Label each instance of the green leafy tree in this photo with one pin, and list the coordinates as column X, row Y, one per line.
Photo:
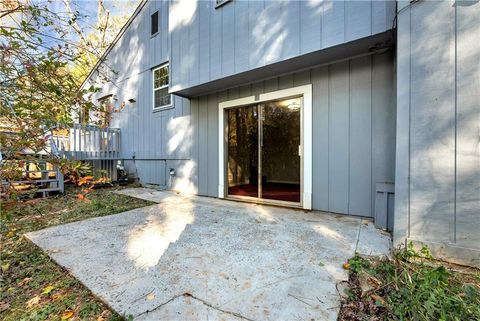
column 44, row 58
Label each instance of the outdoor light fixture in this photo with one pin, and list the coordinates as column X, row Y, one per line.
column 132, row 100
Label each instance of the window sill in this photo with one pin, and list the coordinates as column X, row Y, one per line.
column 154, row 35
column 159, row 109
column 218, row 5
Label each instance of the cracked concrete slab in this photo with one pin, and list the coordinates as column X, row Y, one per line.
column 198, row 258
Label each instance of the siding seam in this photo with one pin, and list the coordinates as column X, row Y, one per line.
column 199, row 22
column 409, row 117
column 345, row 33
column 208, row 146
column 372, row 145
column 456, row 133
column 328, row 134
column 299, row 52
column 371, row 18
column 209, row 46
column 321, row 26
column 221, row 43
column 329, row 120
column 248, row 40
column 349, row 131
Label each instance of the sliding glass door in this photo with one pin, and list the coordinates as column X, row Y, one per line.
column 243, row 151
column 263, row 152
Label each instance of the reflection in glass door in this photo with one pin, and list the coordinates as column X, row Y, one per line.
column 263, row 150
column 280, row 145
column 243, row 151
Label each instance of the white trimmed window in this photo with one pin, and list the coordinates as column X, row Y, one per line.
column 161, row 97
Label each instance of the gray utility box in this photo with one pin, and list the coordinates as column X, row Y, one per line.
column 384, row 205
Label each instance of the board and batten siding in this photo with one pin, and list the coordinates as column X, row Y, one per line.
column 210, row 43
column 353, row 131
column 437, row 199
column 204, row 43
column 151, row 142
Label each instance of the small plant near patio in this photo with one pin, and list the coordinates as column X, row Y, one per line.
column 32, row 286
column 412, row 286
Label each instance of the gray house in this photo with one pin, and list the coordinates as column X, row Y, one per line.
column 367, row 108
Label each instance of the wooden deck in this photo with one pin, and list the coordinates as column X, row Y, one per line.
column 39, row 176
column 87, row 142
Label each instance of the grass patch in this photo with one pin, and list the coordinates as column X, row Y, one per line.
column 32, row 286
column 412, row 286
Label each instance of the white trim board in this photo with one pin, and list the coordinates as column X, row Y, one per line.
column 306, row 124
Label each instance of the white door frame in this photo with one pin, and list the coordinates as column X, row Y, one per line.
column 306, row 124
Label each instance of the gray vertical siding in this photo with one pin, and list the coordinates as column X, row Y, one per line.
column 438, row 157
column 158, row 140
column 209, row 43
column 467, row 191
column 354, row 110
column 353, row 131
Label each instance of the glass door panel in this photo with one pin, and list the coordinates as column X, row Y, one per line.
column 242, row 151
column 280, row 144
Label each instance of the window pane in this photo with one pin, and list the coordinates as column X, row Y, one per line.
column 161, row 77
column 154, row 22
column 166, row 99
column 157, row 79
column 104, row 111
column 162, row 97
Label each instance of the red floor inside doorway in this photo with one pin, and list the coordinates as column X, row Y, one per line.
column 272, row 191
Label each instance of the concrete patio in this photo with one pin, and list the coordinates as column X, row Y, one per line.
column 198, row 258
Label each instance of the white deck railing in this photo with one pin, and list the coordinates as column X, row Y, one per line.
column 37, row 175
column 87, row 142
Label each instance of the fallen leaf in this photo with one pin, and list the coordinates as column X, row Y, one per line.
column 4, row 306
column 10, row 234
column 80, row 196
column 104, row 315
column 33, row 301
column 48, row 289
column 5, row 267
column 346, row 266
column 32, row 201
column 56, row 297
column 150, row 296
column 321, row 264
column 378, row 300
column 67, row 314
column 24, row 281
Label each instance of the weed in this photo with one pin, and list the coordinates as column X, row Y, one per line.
column 356, row 264
column 411, row 286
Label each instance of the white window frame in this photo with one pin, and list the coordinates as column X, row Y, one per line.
column 304, row 91
column 157, row 108
column 103, row 113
